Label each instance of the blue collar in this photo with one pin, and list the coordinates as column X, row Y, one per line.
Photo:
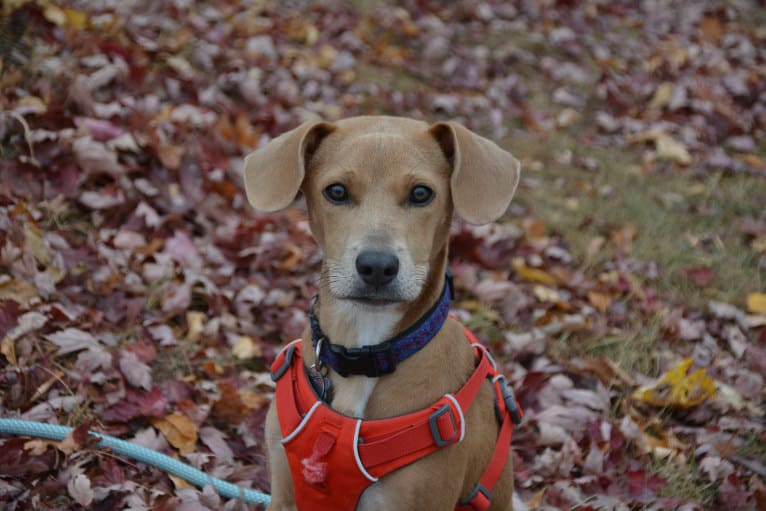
column 381, row 359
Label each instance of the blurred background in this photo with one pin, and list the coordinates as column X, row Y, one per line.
column 624, row 291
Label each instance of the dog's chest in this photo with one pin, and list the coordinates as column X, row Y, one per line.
column 352, row 393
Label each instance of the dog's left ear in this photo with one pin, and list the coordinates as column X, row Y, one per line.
column 484, row 176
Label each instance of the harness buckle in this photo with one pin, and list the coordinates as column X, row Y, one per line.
column 479, row 499
column 510, row 400
column 286, row 361
column 434, row 425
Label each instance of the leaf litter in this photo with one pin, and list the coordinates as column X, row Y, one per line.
column 140, row 296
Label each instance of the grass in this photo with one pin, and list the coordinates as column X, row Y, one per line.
column 679, row 222
column 684, row 480
column 633, row 351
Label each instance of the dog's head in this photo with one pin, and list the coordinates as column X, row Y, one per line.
column 381, row 193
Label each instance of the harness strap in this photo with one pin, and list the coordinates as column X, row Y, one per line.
column 396, row 449
column 287, row 394
column 480, row 498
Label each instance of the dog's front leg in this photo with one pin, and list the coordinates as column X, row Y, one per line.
column 282, row 498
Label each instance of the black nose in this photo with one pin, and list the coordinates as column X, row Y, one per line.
column 377, row 268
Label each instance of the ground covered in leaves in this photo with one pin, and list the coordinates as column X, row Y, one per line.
column 624, row 291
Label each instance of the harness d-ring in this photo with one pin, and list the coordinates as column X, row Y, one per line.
column 318, row 364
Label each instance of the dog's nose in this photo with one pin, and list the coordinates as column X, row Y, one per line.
column 377, row 268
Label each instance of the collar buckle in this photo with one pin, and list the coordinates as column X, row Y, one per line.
column 373, row 361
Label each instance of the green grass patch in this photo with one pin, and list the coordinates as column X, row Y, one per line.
column 684, row 481
column 679, row 222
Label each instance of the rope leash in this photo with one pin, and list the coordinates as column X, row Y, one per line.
column 134, row 451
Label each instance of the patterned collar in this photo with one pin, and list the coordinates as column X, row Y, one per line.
column 381, row 359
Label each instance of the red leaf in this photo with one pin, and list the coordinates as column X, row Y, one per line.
column 639, row 482
column 81, row 434
column 702, row 276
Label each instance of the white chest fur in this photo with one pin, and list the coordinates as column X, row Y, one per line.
column 367, row 327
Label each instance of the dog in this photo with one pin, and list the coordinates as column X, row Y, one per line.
column 381, row 193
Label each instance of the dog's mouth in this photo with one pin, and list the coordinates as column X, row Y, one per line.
column 374, row 301
column 374, row 297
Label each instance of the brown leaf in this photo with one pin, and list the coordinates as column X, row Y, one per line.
column 711, row 29
column 230, row 407
column 170, row 155
column 179, row 431
column 533, row 228
column 600, row 300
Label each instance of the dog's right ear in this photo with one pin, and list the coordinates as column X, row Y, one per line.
column 274, row 172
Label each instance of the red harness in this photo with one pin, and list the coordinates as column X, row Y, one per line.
column 333, row 458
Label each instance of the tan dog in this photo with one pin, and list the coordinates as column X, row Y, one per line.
column 388, row 186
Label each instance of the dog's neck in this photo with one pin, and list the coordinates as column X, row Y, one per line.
column 354, row 325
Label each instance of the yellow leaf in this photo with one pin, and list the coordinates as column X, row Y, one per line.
column 546, row 294
column 62, row 17
column 35, row 244
column 677, row 389
column 532, row 274
column 469, row 305
column 756, row 302
column 245, row 348
column 31, row 104
column 18, row 290
column 662, row 96
column 179, row 430
column 253, row 400
column 179, row 483
column 55, row 15
column 75, row 18
column 195, row 321
column 8, row 349
column 671, row 149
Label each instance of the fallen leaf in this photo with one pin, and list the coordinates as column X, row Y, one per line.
column 600, row 300
column 253, row 399
column 711, row 29
column 179, row 431
column 702, row 276
column 70, row 340
column 19, row 290
column 246, row 348
column 230, row 406
column 96, row 157
column 677, row 389
column 662, row 95
column 623, row 238
column 8, row 349
column 80, row 490
column 756, row 302
column 532, row 274
column 671, row 149
column 195, row 321
column 136, row 372
column 215, row 440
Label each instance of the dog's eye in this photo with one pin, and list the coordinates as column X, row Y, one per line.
column 336, row 193
column 420, row 195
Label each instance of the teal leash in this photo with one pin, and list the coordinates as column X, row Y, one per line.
column 139, row 453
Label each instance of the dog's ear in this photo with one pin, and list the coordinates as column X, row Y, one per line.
column 274, row 172
column 484, row 176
